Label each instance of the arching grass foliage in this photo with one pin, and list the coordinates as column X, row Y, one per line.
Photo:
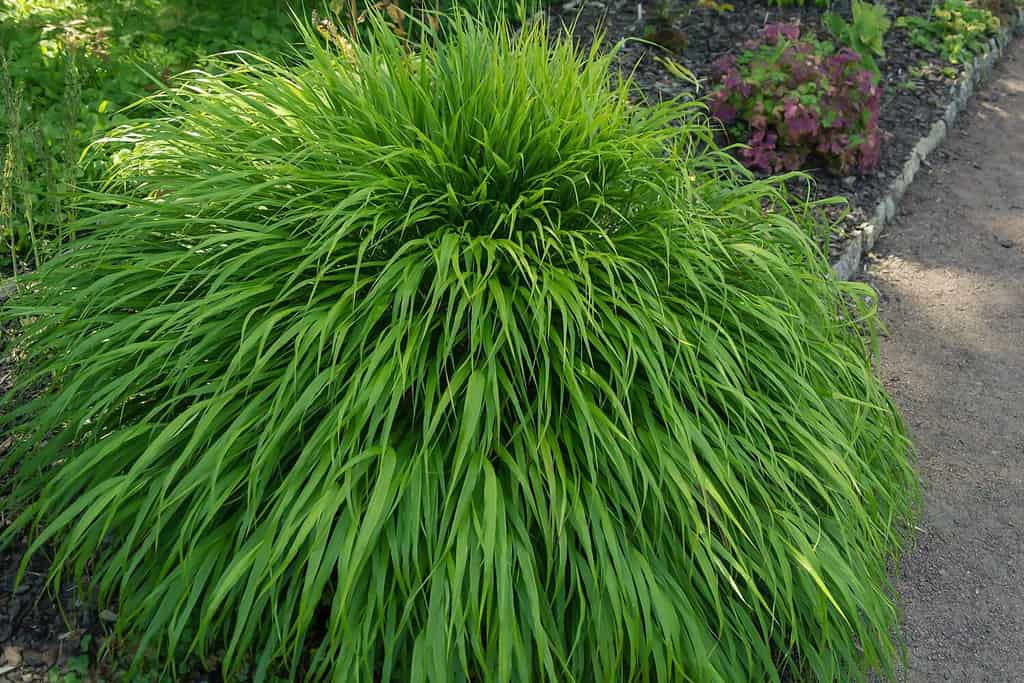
column 457, row 366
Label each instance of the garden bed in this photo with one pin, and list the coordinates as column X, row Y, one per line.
column 917, row 86
column 910, row 108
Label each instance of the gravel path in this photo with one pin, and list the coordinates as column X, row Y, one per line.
column 951, row 276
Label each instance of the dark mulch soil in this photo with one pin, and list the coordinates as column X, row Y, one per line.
column 696, row 36
column 40, row 627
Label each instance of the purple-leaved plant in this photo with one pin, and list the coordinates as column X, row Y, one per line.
column 791, row 97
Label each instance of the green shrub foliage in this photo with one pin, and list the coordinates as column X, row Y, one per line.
column 457, row 366
column 955, row 29
column 865, row 34
column 69, row 69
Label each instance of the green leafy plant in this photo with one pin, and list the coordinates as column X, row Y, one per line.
column 925, row 71
column 791, row 98
column 954, row 29
column 27, row 184
column 81, row 63
column 456, row 365
column 76, row 65
column 865, row 34
column 716, row 6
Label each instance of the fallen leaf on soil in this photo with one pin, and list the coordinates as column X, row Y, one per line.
column 12, row 655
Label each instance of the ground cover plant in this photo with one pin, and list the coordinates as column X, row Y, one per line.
column 454, row 364
column 68, row 69
column 789, row 97
column 955, row 29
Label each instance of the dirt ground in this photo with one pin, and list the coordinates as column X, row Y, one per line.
column 951, row 276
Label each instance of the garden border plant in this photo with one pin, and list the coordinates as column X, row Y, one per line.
column 789, row 97
column 847, row 264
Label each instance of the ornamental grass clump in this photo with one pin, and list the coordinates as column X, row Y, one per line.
column 456, row 365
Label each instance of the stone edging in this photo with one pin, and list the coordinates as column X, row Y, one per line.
column 847, row 264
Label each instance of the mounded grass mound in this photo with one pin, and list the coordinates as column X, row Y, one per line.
column 457, row 366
